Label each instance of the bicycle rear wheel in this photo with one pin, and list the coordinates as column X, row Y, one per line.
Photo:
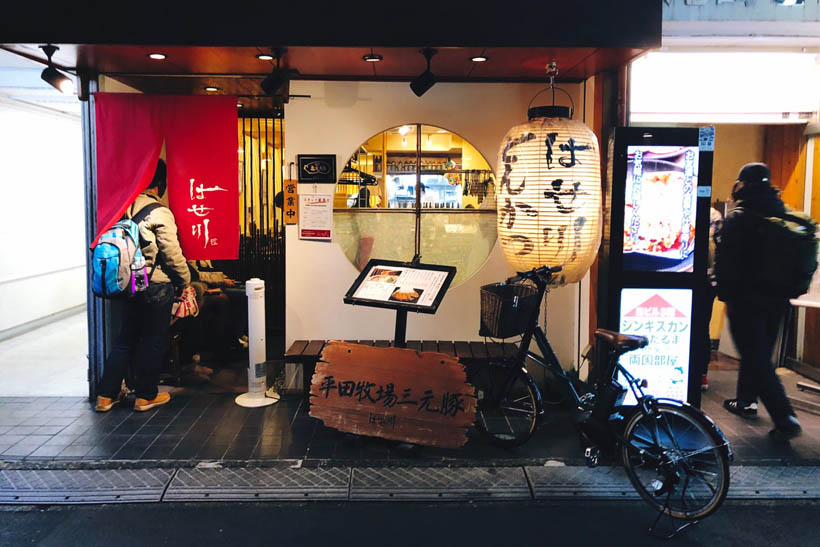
column 676, row 462
column 507, row 404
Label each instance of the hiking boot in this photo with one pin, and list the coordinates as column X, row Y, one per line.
column 744, row 410
column 786, row 431
column 104, row 404
column 704, row 383
column 142, row 405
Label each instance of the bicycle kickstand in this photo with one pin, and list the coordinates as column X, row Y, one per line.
column 653, row 531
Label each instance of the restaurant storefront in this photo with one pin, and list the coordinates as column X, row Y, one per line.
column 473, row 102
column 416, row 176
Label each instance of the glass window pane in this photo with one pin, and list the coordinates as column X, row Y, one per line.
column 374, row 234
column 452, row 176
column 461, row 239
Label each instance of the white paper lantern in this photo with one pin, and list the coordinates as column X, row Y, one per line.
column 549, row 196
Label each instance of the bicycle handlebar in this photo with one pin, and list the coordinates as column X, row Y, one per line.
column 544, row 274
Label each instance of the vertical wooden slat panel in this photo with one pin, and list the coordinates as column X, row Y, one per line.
column 811, row 347
column 463, row 350
column 793, row 166
column 446, row 347
column 479, row 350
column 773, row 153
column 815, row 190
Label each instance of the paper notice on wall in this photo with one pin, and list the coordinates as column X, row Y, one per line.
column 315, row 216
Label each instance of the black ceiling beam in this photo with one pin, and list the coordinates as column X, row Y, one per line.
column 511, row 23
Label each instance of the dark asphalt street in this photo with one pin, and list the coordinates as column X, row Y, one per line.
column 398, row 524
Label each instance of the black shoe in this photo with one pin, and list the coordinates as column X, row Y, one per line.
column 785, row 432
column 744, row 410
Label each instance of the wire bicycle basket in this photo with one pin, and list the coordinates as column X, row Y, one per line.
column 506, row 308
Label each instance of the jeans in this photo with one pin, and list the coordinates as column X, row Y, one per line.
column 754, row 328
column 143, row 339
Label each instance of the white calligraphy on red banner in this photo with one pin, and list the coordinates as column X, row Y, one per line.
column 200, row 210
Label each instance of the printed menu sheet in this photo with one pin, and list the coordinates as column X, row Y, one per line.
column 401, row 284
column 315, row 216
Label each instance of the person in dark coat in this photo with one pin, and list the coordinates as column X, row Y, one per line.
column 754, row 313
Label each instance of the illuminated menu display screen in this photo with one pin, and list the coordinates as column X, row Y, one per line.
column 664, row 316
column 660, row 203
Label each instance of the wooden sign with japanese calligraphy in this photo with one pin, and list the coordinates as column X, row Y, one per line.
column 291, row 202
column 394, row 393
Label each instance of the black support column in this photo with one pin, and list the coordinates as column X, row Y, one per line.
column 95, row 306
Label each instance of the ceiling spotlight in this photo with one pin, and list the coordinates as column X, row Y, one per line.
column 211, row 88
column 265, row 57
column 54, row 77
column 479, row 58
column 238, row 105
column 157, row 56
column 372, row 57
column 277, row 83
column 424, row 81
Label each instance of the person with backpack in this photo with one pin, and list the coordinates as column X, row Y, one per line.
column 145, row 315
column 759, row 265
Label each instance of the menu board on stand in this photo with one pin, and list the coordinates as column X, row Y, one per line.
column 401, row 286
column 657, row 252
column 419, row 397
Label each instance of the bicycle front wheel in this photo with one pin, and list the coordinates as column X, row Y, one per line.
column 676, row 462
column 507, row 404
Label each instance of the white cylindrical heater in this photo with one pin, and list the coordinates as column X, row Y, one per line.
column 255, row 397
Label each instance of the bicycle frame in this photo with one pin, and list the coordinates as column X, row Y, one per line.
column 549, row 360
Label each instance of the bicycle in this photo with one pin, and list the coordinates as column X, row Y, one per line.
column 674, row 455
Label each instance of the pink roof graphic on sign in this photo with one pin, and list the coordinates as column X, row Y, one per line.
column 655, row 308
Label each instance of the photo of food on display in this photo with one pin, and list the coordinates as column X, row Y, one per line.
column 381, row 275
column 405, row 294
column 660, row 208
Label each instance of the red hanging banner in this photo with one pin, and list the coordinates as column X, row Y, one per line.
column 200, row 137
column 203, row 175
column 129, row 140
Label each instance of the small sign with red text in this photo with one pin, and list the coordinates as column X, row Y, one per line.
column 315, row 216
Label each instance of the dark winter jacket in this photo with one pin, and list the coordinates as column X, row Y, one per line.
column 738, row 253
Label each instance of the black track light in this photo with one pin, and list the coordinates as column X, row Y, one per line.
column 277, row 83
column 54, row 77
column 423, row 82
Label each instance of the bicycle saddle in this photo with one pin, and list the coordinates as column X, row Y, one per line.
column 621, row 342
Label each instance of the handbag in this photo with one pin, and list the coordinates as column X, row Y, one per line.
column 185, row 304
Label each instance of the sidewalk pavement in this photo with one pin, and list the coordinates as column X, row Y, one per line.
column 203, row 447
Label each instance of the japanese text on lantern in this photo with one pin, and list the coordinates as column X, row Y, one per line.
column 564, row 194
column 199, row 194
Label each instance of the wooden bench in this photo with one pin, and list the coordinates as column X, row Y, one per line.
column 307, row 352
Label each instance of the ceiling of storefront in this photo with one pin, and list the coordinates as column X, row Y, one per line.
column 237, row 71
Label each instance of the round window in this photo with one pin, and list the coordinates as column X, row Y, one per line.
column 413, row 176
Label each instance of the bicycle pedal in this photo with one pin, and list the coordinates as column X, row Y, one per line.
column 592, row 455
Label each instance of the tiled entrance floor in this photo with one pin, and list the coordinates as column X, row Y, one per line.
column 202, row 426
